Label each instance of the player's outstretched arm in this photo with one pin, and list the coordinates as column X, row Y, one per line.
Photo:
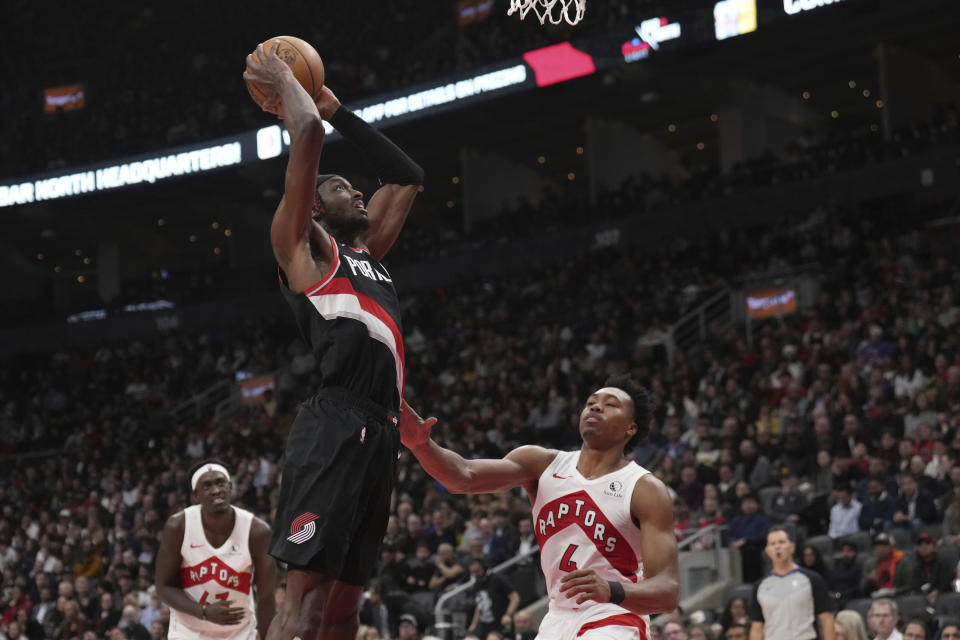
column 264, row 574
column 520, row 467
column 399, row 175
column 292, row 222
column 659, row 591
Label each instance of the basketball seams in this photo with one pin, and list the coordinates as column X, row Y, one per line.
column 296, row 61
column 306, row 63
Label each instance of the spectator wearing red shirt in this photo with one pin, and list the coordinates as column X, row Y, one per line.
column 880, row 571
column 18, row 601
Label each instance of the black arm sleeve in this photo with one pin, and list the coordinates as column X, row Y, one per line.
column 821, row 596
column 393, row 166
column 755, row 610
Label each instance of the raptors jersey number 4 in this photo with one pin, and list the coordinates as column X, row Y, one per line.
column 586, row 524
column 210, row 574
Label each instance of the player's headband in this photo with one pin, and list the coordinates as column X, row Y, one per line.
column 213, row 466
column 323, row 177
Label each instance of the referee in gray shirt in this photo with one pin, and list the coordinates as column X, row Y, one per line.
column 791, row 602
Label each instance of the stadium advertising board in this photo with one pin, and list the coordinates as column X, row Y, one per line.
column 793, row 7
column 771, row 301
column 650, row 33
column 69, row 97
column 734, row 18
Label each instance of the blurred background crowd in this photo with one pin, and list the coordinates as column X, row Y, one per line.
column 840, row 420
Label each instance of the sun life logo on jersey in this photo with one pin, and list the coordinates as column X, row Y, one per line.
column 303, row 528
column 614, row 489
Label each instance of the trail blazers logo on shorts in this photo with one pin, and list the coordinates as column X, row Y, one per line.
column 303, row 528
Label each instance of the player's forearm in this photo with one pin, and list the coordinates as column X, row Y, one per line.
column 659, row 594
column 446, row 467
column 299, row 111
column 176, row 598
column 266, row 609
column 393, row 166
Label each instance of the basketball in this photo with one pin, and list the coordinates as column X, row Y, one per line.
column 301, row 57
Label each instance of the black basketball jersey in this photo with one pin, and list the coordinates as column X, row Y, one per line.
column 351, row 320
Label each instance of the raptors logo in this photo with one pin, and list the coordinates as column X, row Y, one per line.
column 302, row 528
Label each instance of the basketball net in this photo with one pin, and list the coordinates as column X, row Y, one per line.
column 554, row 11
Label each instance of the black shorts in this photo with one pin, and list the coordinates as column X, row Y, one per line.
column 338, row 475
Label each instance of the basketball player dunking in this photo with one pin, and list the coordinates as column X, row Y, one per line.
column 604, row 524
column 211, row 555
column 341, row 454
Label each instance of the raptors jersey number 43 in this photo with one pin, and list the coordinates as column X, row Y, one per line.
column 586, row 524
column 209, row 574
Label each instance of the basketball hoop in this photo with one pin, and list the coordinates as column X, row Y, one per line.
column 554, row 11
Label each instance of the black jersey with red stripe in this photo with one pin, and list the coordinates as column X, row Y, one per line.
column 351, row 320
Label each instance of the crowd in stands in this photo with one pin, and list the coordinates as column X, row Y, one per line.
column 840, row 420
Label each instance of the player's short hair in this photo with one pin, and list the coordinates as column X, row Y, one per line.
column 323, row 177
column 642, row 405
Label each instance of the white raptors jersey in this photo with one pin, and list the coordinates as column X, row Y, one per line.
column 586, row 524
column 209, row 574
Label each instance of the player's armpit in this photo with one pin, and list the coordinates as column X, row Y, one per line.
column 387, row 211
column 312, row 262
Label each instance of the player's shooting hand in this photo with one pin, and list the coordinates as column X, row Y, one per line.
column 414, row 430
column 224, row 613
column 267, row 70
column 327, row 103
column 585, row 584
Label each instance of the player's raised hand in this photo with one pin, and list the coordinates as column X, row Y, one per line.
column 327, row 103
column 585, row 584
column 267, row 70
column 224, row 613
column 414, row 430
